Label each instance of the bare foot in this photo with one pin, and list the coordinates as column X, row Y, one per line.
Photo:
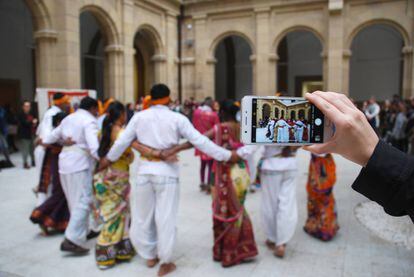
column 153, row 262
column 166, row 269
column 271, row 245
column 280, row 251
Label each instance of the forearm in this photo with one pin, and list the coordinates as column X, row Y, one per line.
column 388, row 179
column 145, row 151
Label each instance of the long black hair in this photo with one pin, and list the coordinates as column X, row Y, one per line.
column 115, row 111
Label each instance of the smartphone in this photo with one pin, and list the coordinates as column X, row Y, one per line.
column 289, row 121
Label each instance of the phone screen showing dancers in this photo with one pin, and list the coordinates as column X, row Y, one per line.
column 286, row 120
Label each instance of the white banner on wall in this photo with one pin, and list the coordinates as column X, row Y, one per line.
column 44, row 97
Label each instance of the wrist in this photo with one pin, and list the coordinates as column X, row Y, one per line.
column 368, row 152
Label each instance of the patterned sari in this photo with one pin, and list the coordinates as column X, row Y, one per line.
column 233, row 230
column 111, row 188
column 322, row 216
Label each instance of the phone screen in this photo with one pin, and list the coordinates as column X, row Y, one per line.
column 286, row 120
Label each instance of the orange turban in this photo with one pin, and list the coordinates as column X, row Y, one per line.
column 103, row 107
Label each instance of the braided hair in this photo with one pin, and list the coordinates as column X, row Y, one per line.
column 115, row 111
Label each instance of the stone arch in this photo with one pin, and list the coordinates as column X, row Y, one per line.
column 224, row 35
column 106, row 22
column 233, row 67
column 281, row 35
column 298, row 67
column 155, row 36
column 392, row 23
column 149, row 58
column 376, row 67
column 40, row 15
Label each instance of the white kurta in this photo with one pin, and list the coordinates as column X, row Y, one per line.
column 43, row 130
column 299, row 131
column 282, row 131
column 75, row 168
column 156, row 194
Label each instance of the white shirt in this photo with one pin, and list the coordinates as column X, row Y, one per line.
column 81, row 127
column 46, row 125
column 160, row 128
column 270, row 162
column 373, row 111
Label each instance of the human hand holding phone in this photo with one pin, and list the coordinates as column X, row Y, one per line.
column 354, row 138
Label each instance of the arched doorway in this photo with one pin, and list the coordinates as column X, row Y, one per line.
column 300, row 65
column 17, row 54
column 376, row 65
column 144, row 69
column 266, row 112
column 233, row 70
column 92, row 43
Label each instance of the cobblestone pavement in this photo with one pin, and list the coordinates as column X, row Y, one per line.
column 354, row 252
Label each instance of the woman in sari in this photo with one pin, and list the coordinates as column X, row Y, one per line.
column 53, row 214
column 111, row 187
column 322, row 217
column 233, row 231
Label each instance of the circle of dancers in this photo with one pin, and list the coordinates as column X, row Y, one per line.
column 84, row 188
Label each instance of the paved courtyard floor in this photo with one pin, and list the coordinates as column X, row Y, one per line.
column 354, row 252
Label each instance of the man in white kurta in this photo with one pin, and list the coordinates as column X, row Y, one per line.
column 281, row 128
column 60, row 103
column 299, row 126
column 75, row 169
column 279, row 209
column 156, row 193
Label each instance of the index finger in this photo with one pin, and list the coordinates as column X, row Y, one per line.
column 326, row 108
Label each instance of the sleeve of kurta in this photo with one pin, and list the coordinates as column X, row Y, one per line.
column 247, row 150
column 201, row 142
column 54, row 136
column 91, row 136
column 388, row 179
column 123, row 141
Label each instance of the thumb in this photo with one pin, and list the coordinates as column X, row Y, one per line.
column 319, row 148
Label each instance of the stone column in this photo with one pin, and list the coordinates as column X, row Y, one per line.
column 334, row 48
column 204, row 70
column 407, row 83
column 127, row 38
column 45, row 63
column 346, row 54
column 67, row 62
column 262, row 80
column 273, row 60
column 171, row 53
column 114, row 83
column 159, row 61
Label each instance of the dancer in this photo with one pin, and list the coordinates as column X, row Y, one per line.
column 112, row 194
column 153, row 226
column 61, row 103
column 299, row 126
column 76, row 164
column 233, row 231
column 53, row 214
column 322, row 217
column 204, row 118
column 279, row 209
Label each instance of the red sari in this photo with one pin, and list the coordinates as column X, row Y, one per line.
column 322, row 217
column 233, row 230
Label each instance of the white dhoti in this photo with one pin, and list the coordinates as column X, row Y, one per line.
column 299, row 134
column 78, row 191
column 154, row 208
column 279, row 208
